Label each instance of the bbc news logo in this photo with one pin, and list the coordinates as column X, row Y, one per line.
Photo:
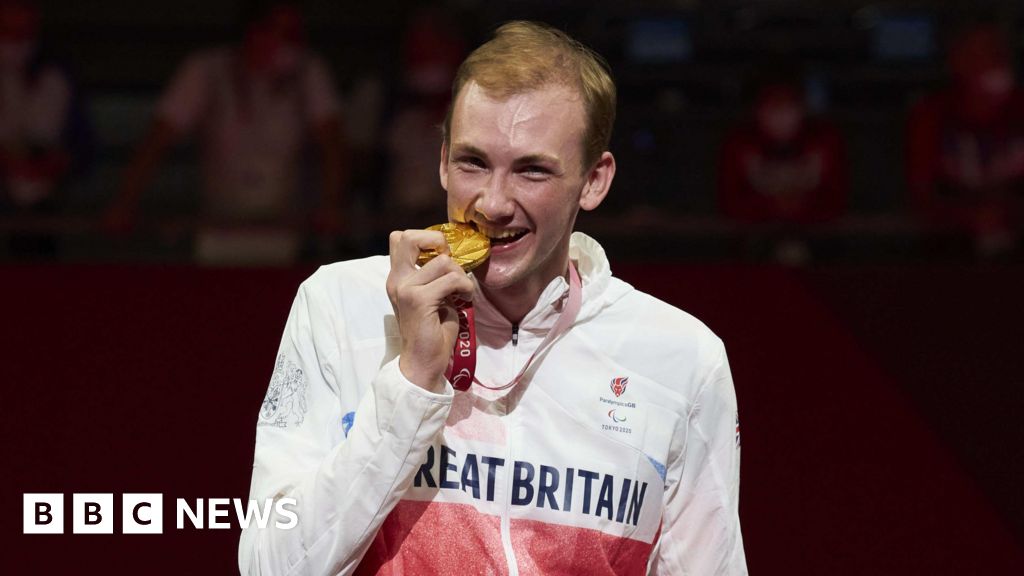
column 143, row 513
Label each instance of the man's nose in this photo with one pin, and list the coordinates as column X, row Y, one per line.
column 495, row 201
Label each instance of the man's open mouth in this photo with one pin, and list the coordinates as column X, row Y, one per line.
column 501, row 237
column 508, row 239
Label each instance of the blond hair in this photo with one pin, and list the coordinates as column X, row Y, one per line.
column 525, row 56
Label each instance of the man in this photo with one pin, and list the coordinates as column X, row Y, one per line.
column 965, row 146
column 45, row 136
column 612, row 450
column 782, row 166
column 432, row 49
column 255, row 108
column 782, row 172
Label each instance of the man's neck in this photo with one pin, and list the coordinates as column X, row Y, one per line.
column 515, row 302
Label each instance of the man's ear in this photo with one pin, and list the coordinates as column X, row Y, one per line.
column 443, row 169
column 599, row 181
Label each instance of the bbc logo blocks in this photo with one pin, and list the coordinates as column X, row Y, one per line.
column 142, row 514
column 43, row 514
column 93, row 514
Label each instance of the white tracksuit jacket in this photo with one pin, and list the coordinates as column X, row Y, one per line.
column 618, row 453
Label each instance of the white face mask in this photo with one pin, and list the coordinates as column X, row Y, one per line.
column 14, row 55
column 996, row 82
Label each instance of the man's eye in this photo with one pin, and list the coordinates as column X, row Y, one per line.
column 471, row 162
column 534, row 171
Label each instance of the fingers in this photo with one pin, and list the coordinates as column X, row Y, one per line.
column 453, row 282
column 421, row 300
column 431, row 285
column 432, row 270
column 405, row 247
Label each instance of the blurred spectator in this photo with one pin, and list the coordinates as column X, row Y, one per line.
column 255, row 107
column 783, row 170
column 44, row 132
column 432, row 50
column 966, row 145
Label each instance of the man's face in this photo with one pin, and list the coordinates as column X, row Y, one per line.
column 274, row 44
column 780, row 113
column 514, row 168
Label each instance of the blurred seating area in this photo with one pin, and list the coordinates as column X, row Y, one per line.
column 692, row 77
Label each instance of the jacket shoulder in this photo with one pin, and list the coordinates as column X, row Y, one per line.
column 661, row 341
column 363, row 274
column 351, row 295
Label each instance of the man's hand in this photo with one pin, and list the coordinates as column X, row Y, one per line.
column 429, row 324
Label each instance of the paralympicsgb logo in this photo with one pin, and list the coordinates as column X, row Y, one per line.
column 618, row 385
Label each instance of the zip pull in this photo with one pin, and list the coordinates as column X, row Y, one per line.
column 515, row 334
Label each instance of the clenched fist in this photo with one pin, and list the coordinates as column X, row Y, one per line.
column 421, row 298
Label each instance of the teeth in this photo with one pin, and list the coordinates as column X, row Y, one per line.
column 502, row 234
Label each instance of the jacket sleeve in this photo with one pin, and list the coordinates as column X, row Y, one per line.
column 700, row 532
column 344, row 481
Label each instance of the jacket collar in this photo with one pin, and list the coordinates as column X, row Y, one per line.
column 595, row 274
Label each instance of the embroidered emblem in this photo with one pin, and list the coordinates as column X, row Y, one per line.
column 618, row 385
column 285, row 403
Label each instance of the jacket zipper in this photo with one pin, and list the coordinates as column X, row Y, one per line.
column 506, row 521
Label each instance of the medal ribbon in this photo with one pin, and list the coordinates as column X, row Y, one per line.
column 462, row 366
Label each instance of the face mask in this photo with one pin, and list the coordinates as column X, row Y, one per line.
column 995, row 83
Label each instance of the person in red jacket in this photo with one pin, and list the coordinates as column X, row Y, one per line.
column 255, row 109
column 782, row 166
column 782, row 170
column 965, row 157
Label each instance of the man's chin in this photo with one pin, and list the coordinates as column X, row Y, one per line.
column 491, row 277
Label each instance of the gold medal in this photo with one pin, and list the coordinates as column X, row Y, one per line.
column 468, row 247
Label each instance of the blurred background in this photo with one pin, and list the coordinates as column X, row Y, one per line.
column 836, row 188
